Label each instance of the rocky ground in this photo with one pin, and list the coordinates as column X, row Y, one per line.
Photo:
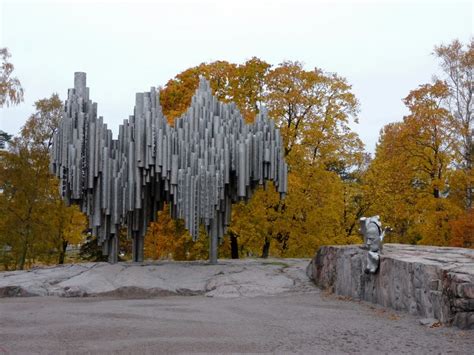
column 230, row 278
column 246, row 306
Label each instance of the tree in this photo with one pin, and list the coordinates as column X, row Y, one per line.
column 457, row 63
column 248, row 86
column 11, row 92
column 39, row 129
column 313, row 110
column 421, row 177
column 34, row 221
column 70, row 224
column 463, row 230
column 168, row 239
column 4, row 138
column 26, row 191
column 428, row 136
column 389, row 187
column 175, row 97
column 408, row 182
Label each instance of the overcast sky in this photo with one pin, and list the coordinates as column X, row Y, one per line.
column 383, row 48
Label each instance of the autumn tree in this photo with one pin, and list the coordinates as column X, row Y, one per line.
column 409, row 180
column 457, row 63
column 168, row 239
column 312, row 110
column 27, row 192
column 40, row 128
column 249, row 85
column 463, row 230
column 70, row 224
column 34, row 221
column 420, row 179
column 388, row 185
column 243, row 84
column 11, row 92
column 429, row 138
column 176, row 96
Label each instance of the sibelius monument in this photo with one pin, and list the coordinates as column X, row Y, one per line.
column 203, row 164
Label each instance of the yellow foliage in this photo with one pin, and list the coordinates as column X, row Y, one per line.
column 413, row 182
column 313, row 110
column 417, row 182
column 34, row 221
column 168, row 239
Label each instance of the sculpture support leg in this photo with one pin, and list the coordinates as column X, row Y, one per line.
column 137, row 247
column 213, row 243
column 213, row 249
column 113, row 249
column 134, row 248
column 141, row 245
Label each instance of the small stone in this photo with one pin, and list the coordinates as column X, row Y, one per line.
column 429, row 322
column 74, row 292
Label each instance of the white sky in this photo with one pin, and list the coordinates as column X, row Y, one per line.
column 383, row 48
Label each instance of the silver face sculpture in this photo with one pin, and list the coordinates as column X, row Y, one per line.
column 208, row 160
column 371, row 228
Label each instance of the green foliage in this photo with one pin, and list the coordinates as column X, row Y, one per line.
column 4, row 138
column 91, row 250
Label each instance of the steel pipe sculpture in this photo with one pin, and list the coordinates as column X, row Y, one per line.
column 208, row 160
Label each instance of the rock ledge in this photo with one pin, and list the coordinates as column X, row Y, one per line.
column 229, row 278
column 432, row 282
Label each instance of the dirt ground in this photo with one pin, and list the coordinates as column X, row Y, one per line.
column 310, row 322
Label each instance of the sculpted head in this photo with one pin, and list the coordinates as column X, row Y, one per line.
column 371, row 228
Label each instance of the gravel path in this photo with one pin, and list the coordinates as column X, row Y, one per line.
column 304, row 322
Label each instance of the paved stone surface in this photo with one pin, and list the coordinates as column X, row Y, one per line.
column 301, row 322
column 230, row 278
column 431, row 282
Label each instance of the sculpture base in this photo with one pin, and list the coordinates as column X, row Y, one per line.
column 432, row 282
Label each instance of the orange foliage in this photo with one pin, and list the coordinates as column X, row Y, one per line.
column 168, row 239
column 463, row 230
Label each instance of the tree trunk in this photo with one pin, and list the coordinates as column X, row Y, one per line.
column 266, row 248
column 62, row 252
column 234, row 246
column 21, row 266
column 26, row 235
